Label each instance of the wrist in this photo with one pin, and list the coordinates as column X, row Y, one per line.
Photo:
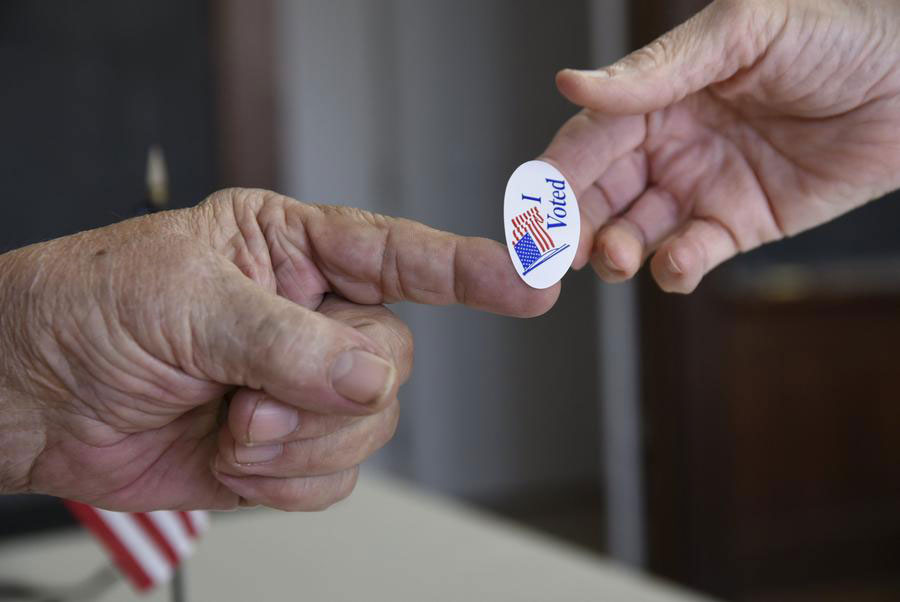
column 22, row 424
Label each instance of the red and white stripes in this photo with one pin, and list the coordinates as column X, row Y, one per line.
column 146, row 546
column 532, row 222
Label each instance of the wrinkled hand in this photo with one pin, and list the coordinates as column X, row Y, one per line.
column 755, row 120
column 120, row 344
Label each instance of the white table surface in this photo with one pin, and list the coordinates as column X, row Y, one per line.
column 388, row 542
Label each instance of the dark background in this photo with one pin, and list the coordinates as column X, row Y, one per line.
column 87, row 88
column 772, row 410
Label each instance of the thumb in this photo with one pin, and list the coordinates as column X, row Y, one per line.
column 253, row 338
column 724, row 38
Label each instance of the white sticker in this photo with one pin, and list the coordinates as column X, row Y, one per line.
column 542, row 223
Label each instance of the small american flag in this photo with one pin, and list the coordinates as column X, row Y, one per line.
column 531, row 240
column 532, row 222
column 146, row 546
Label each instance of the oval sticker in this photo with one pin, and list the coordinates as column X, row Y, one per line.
column 542, row 223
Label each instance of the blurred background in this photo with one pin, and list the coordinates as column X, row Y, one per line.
column 742, row 441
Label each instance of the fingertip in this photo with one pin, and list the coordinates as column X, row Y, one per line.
column 564, row 79
column 603, row 271
column 676, row 269
column 540, row 301
column 528, row 302
column 487, row 280
column 618, row 255
column 575, row 85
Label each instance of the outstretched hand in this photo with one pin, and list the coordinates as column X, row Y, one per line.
column 755, row 120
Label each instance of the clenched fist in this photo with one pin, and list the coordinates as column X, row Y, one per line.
column 233, row 353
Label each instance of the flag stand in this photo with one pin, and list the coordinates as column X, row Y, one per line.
column 177, row 586
column 94, row 587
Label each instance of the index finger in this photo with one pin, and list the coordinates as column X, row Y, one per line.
column 593, row 151
column 588, row 144
column 373, row 259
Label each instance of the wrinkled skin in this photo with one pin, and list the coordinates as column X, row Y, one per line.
column 755, row 120
column 119, row 345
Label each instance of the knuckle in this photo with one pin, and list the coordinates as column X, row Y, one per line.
column 229, row 199
column 218, row 208
column 653, row 55
column 355, row 214
column 739, row 10
column 660, row 50
column 751, row 23
column 728, row 6
column 222, row 211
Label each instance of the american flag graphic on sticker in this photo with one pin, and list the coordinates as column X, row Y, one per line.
column 542, row 223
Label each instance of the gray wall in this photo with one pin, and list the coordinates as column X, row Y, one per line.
column 423, row 109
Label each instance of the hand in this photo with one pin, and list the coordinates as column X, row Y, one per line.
column 755, row 120
column 118, row 346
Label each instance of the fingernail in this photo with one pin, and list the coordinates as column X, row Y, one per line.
column 672, row 265
column 257, row 453
column 271, row 420
column 361, row 376
column 612, row 265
